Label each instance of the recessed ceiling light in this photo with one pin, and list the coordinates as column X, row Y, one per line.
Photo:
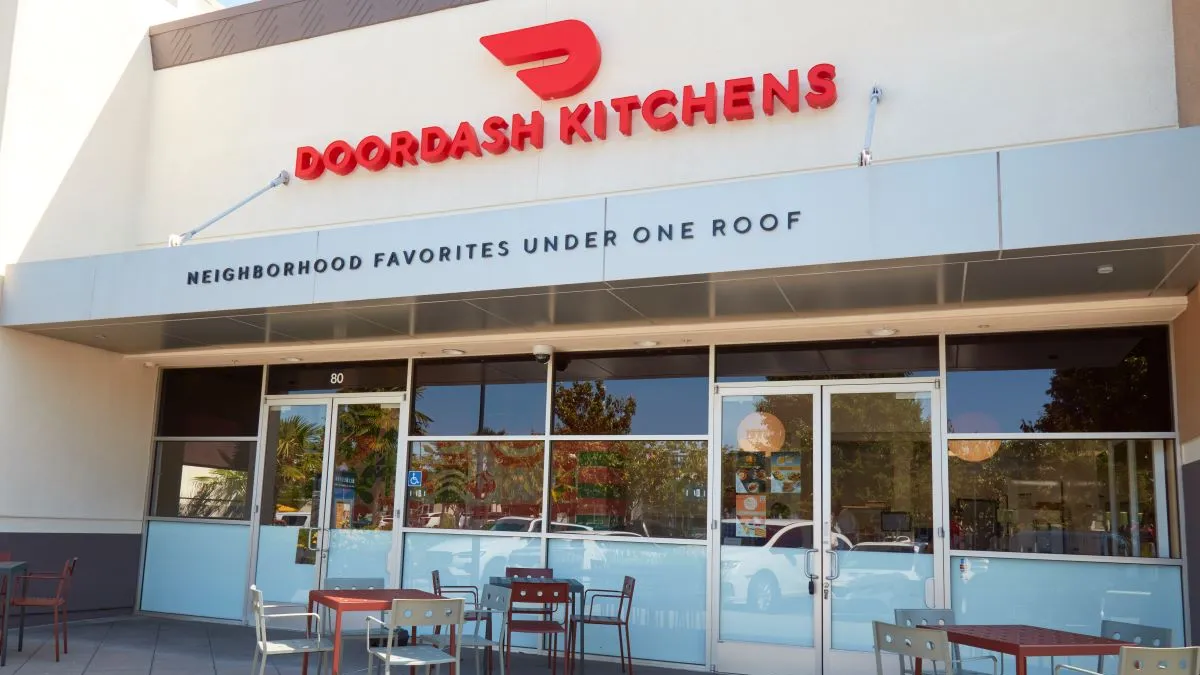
column 292, row 359
column 101, row 336
column 985, row 325
column 884, row 332
column 1104, row 269
column 646, row 343
column 453, row 352
column 148, row 364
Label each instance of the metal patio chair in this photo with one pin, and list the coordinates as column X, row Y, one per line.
column 57, row 602
column 913, row 618
column 547, row 594
column 618, row 619
column 927, row 644
column 264, row 647
column 416, row 614
column 352, row 584
column 1139, row 660
column 495, row 600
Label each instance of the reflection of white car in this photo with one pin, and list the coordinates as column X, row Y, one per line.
column 523, row 524
column 762, row 575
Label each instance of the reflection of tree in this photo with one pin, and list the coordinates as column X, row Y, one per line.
column 367, row 451
column 586, row 407
column 299, row 449
column 474, row 478
column 221, row 494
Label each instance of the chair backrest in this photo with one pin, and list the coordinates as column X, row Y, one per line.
column 541, row 593
column 1175, row 661
column 354, row 583
column 260, row 618
column 529, row 572
column 1142, row 636
column 417, row 613
column 919, row 643
column 64, row 581
column 913, row 618
column 497, row 599
column 5, row 556
column 437, row 582
column 626, row 598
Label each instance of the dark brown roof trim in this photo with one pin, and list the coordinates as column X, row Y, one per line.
column 273, row 22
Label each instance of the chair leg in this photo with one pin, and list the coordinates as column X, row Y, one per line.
column 628, row 648
column 254, row 662
column 21, row 631
column 321, row 663
column 582, row 644
column 262, row 665
column 54, row 618
column 64, row 628
column 553, row 652
column 621, row 647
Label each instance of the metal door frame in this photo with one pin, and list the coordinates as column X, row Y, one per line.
column 331, row 403
column 822, row 391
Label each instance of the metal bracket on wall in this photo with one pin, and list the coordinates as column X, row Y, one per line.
column 180, row 239
column 864, row 157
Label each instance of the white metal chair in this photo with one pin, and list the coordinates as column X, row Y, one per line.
column 415, row 614
column 927, row 644
column 914, row 618
column 1142, row 636
column 1137, row 660
column 495, row 601
column 264, row 647
column 353, row 584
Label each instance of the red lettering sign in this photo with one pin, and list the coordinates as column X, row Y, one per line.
column 662, row 110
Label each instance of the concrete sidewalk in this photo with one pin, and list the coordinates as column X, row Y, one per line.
column 145, row 646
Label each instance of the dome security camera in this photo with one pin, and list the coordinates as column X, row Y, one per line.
column 543, row 353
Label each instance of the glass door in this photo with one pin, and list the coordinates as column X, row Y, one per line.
column 360, row 519
column 327, row 492
column 883, row 526
column 829, row 521
column 292, row 498
column 767, row 571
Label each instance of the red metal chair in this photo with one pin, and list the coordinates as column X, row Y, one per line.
column 5, row 556
column 56, row 602
column 530, row 573
column 619, row 619
column 551, row 596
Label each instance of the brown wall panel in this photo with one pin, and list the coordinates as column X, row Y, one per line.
column 273, row 22
column 1187, row 60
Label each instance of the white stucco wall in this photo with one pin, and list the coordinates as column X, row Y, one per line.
column 75, row 448
column 957, row 78
column 73, row 123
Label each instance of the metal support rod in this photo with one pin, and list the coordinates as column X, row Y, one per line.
column 864, row 157
column 180, row 239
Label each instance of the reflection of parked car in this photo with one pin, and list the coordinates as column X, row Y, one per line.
column 1070, row 543
column 523, row 524
column 762, row 571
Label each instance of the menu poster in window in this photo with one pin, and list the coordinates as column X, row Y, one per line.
column 751, row 516
column 750, row 474
column 785, row 473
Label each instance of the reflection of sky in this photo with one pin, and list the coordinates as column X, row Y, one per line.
column 996, row 400
column 666, row 405
column 313, row 414
column 512, row 409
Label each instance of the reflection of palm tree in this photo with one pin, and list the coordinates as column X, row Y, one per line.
column 298, row 452
column 221, row 494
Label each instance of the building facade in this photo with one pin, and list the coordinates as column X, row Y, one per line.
column 798, row 314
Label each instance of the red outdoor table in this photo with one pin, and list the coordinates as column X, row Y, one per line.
column 377, row 600
column 1023, row 642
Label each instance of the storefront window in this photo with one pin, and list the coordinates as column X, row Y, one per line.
column 1059, row 496
column 490, row 397
column 476, row 485
column 846, row 359
column 210, row 402
column 204, row 479
column 1115, row 380
column 630, row 488
column 664, row 392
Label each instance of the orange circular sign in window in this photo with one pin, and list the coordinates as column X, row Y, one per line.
column 761, row 433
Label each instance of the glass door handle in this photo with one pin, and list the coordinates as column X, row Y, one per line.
column 808, row 557
column 835, row 567
column 930, row 601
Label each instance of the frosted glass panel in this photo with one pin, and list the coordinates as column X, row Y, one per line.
column 871, row 586
column 360, row 554
column 668, row 618
column 198, row 569
column 1067, row 595
column 286, row 568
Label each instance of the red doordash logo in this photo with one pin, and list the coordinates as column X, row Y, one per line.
column 570, row 38
column 733, row 100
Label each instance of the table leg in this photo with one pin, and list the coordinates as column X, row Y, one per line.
column 917, row 666
column 307, row 632
column 1021, row 664
column 337, row 641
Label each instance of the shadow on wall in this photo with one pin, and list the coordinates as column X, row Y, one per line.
column 105, row 581
column 96, row 206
